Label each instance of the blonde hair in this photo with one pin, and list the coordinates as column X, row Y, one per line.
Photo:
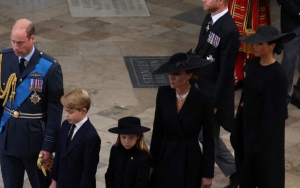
column 140, row 143
column 76, row 99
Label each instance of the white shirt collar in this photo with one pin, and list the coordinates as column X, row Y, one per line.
column 80, row 123
column 27, row 58
column 219, row 15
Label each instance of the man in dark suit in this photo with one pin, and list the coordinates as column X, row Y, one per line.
column 219, row 43
column 290, row 22
column 30, row 118
column 77, row 153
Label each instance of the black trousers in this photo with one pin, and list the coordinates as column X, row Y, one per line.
column 13, row 170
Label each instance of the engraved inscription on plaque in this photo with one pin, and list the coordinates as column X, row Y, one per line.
column 140, row 71
column 108, row 8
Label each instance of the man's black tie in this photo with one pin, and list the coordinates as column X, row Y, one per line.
column 209, row 24
column 22, row 65
column 70, row 135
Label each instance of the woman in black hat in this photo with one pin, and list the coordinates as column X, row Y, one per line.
column 129, row 161
column 181, row 111
column 261, row 142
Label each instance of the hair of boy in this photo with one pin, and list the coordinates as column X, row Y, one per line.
column 76, row 99
column 140, row 143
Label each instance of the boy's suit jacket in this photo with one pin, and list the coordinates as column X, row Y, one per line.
column 76, row 166
column 218, row 77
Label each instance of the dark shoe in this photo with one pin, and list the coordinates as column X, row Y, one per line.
column 238, row 84
column 233, row 182
column 295, row 102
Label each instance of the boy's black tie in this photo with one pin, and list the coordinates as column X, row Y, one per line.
column 22, row 65
column 70, row 135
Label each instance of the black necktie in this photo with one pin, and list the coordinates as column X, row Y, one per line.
column 22, row 65
column 70, row 135
column 209, row 24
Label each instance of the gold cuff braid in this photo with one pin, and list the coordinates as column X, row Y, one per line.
column 10, row 88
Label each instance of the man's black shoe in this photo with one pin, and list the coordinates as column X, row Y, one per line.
column 233, row 182
column 295, row 102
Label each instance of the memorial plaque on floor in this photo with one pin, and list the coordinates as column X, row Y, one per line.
column 108, row 8
column 140, row 71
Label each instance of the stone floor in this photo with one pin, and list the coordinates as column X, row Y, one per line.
column 91, row 52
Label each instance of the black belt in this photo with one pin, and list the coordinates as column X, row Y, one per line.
column 18, row 114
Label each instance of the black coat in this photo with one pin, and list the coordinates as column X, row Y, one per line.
column 76, row 166
column 290, row 18
column 218, row 77
column 177, row 157
column 264, row 113
column 127, row 168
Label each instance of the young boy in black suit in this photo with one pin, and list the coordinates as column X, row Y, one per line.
column 77, row 153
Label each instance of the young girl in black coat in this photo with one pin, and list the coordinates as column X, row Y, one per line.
column 129, row 161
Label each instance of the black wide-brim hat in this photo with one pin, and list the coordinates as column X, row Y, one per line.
column 267, row 33
column 129, row 125
column 181, row 61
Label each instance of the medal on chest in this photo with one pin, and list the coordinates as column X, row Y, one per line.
column 36, row 85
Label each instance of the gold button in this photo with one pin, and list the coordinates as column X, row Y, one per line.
column 16, row 114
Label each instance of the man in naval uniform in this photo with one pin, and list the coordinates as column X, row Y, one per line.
column 31, row 88
column 219, row 43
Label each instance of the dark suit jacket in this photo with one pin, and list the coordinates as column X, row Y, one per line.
column 217, row 78
column 177, row 157
column 76, row 166
column 290, row 18
column 127, row 168
column 26, row 137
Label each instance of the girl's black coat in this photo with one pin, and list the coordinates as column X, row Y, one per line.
column 127, row 168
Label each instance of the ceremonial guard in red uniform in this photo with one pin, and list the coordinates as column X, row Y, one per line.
column 248, row 16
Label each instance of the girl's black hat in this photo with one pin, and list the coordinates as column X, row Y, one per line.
column 267, row 33
column 129, row 125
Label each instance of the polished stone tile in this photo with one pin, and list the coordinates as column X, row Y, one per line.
column 96, row 35
column 195, row 16
column 118, row 38
column 152, row 6
column 158, row 39
column 50, row 12
column 174, row 47
column 166, row 12
column 136, row 35
column 100, row 49
column 162, row 2
column 67, row 18
column 190, row 28
column 62, row 6
column 3, row 19
column 183, row 6
column 59, row 48
column 171, row 23
column 40, row 29
column 30, row 5
column 180, row 36
column 92, row 23
column 112, row 29
column 140, row 48
column 56, row 35
column 73, row 29
column 4, row 30
column 108, row 8
column 51, row 24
